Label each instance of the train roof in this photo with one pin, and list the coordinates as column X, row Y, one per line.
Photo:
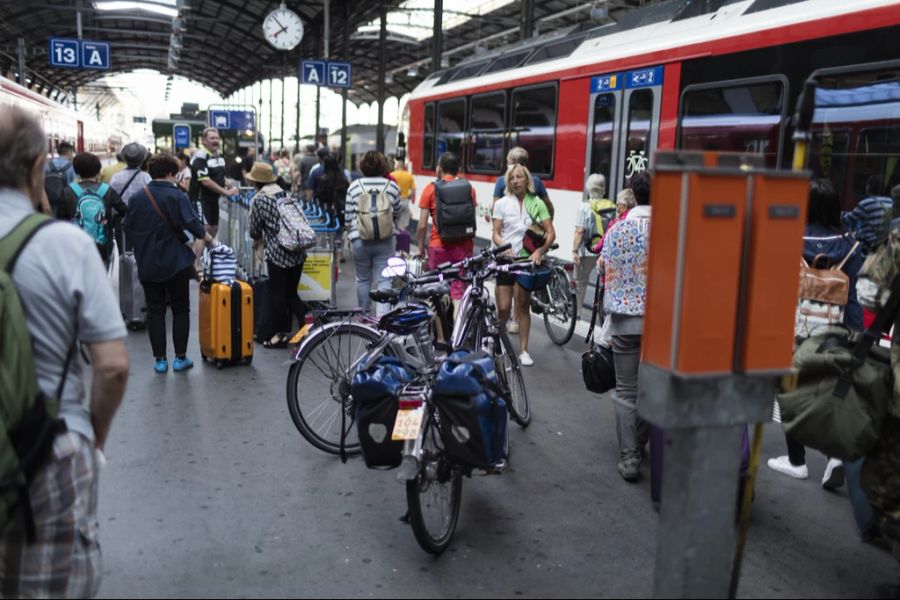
column 650, row 30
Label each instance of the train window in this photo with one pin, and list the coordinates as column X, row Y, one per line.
column 469, row 71
column 637, row 136
column 602, row 136
column 428, row 137
column 736, row 117
column 856, row 133
column 451, row 126
column 533, row 126
column 487, row 121
column 559, row 49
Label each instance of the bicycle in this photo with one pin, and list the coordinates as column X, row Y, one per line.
column 318, row 381
column 557, row 301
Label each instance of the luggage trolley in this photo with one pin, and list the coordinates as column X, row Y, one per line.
column 319, row 278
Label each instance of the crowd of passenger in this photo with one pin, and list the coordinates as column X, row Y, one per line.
column 164, row 208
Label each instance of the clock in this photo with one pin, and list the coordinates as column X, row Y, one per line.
column 283, row 28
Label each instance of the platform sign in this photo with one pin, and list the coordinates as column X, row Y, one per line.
column 605, row 83
column 339, row 74
column 243, row 120
column 181, row 133
column 220, row 119
column 64, row 53
column 95, row 55
column 644, row 78
column 313, row 72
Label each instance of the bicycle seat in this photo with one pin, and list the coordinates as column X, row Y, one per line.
column 390, row 296
column 432, row 290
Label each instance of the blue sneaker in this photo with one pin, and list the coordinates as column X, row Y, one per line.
column 161, row 366
column 182, row 364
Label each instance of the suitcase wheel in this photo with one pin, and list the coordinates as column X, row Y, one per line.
column 247, row 360
column 220, row 364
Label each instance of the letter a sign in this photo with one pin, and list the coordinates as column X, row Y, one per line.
column 312, row 71
column 95, row 55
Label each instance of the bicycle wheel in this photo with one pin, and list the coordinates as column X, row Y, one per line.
column 560, row 313
column 318, row 384
column 433, row 497
column 510, row 373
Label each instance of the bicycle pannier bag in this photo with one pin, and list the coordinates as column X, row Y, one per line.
column 472, row 411
column 454, row 210
column 376, row 394
column 375, row 215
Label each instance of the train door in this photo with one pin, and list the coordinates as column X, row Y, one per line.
column 623, row 124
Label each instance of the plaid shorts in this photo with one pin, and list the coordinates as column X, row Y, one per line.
column 64, row 561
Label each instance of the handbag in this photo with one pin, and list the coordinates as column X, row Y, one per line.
column 823, row 295
column 597, row 366
column 844, row 387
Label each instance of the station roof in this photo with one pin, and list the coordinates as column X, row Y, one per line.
column 219, row 43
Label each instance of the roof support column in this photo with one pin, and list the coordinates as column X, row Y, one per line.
column 345, row 39
column 318, row 137
column 270, row 113
column 20, row 55
column 437, row 36
column 297, row 129
column 283, row 82
column 527, row 24
column 382, row 59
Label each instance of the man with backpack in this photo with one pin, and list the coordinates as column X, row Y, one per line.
column 594, row 216
column 450, row 202
column 94, row 207
column 58, row 174
column 54, row 297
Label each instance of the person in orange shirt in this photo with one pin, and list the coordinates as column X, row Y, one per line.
column 407, row 192
column 453, row 219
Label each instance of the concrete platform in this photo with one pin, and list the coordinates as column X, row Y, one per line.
column 210, row 491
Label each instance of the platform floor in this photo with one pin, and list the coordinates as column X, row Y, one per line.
column 210, row 491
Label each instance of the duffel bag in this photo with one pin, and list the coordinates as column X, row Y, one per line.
column 472, row 411
column 376, row 394
column 840, row 403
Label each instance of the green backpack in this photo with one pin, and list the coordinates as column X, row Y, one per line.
column 29, row 419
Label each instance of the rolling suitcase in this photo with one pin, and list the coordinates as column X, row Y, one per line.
column 226, row 322
column 131, row 293
column 403, row 240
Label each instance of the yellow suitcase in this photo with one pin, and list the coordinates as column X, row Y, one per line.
column 226, row 323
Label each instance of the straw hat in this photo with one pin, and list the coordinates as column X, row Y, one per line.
column 261, row 173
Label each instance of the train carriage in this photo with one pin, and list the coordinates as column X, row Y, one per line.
column 722, row 75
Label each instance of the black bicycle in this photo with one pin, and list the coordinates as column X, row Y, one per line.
column 557, row 301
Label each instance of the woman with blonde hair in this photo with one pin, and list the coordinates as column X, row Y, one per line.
column 517, row 216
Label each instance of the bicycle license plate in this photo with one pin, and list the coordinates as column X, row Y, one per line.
column 408, row 423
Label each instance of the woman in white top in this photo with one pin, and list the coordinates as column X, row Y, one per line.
column 183, row 179
column 513, row 215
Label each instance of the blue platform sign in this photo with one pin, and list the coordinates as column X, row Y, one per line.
column 181, row 133
column 605, row 83
column 95, row 55
column 312, row 71
column 339, row 74
column 644, row 78
column 220, row 119
column 64, row 53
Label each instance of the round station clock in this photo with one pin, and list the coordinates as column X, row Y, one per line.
column 283, row 28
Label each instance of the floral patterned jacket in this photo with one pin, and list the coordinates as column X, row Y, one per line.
column 623, row 259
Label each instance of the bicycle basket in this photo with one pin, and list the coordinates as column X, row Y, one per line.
column 536, row 280
column 405, row 320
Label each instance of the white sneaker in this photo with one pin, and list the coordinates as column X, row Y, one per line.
column 834, row 474
column 512, row 326
column 783, row 465
column 525, row 360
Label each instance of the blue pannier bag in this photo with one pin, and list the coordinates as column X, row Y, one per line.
column 472, row 410
column 376, row 394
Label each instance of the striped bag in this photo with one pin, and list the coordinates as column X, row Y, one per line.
column 219, row 264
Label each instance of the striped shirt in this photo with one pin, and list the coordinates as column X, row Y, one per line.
column 367, row 185
column 870, row 221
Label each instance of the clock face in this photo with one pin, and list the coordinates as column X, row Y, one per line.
column 283, row 29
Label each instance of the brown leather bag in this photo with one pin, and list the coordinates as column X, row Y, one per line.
column 830, row 285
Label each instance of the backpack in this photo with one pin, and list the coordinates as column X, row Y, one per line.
column 91, row 212
column 824, row 294
column 603, row 211
column 55, row 181
column 294, row 233
column 454, row 211
column 29, row 418
column 375, row 215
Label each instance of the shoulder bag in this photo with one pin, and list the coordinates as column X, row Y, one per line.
column 597, row 366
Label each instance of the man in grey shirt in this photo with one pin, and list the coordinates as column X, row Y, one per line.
column 66, row 298
column 131, row 179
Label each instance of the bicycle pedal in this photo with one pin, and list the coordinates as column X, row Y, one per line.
column 496, row 469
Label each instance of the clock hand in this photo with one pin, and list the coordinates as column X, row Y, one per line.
column 282, row 30
column 274, row 18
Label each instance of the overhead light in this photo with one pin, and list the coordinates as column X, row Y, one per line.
column 445, row 61
column 412, row 72
column 389, row 78
column 159, row 6
column 480, row 48
column 599, row 12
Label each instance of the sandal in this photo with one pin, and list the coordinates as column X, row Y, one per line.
column 281, row 343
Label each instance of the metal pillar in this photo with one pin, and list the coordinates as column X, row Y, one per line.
column 346, row 46
column 318, row 111
column 20, row 55
column 271, row 110
column 297, row 128
column 283, row 77
column 527, row 24
column 437, row 46
column 382, row 59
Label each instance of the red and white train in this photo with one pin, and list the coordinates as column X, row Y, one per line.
column 669, row 76
column 60, row 123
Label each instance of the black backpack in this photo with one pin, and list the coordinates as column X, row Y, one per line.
column 55, row 182
column 454, row 212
